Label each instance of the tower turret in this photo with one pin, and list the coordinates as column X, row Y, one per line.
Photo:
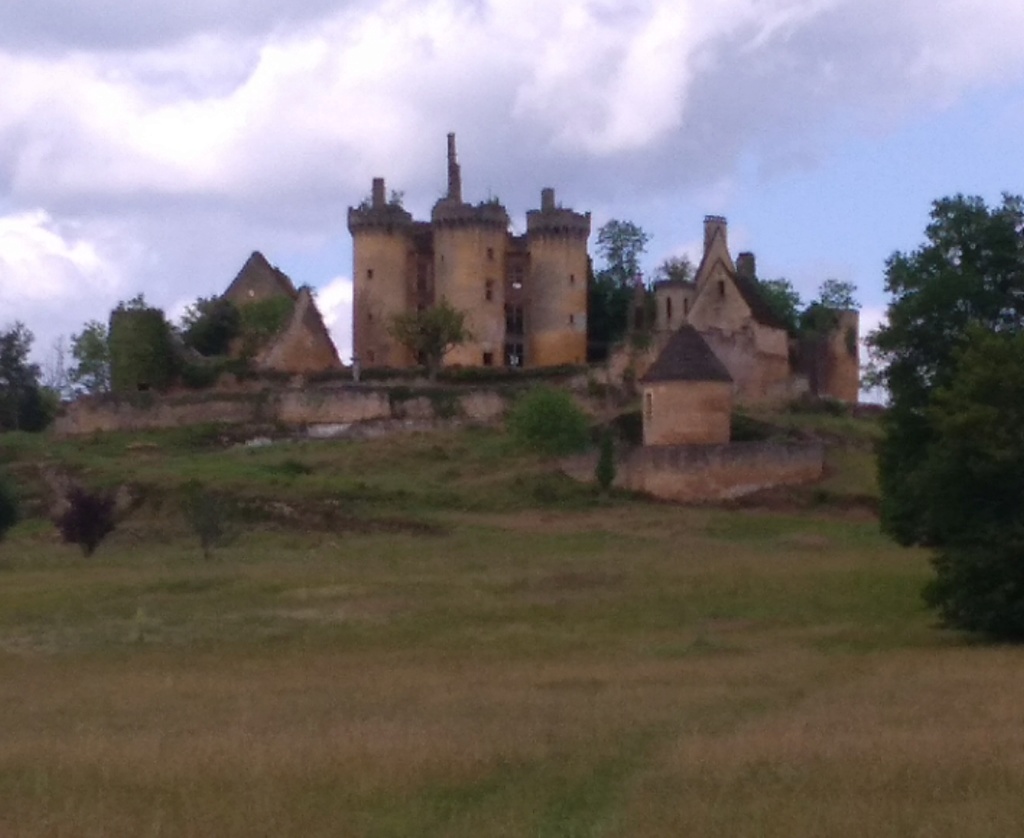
column 469, row 267
column 556, row 307
column 380, row 277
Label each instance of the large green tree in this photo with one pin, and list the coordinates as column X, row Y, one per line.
column 431, row 333
column 620, row 246
column 783, row 299
column 91, row 353
column 973, row 488
column 23, row 405
column 968, row 274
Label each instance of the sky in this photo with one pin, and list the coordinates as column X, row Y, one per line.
column 150, row 147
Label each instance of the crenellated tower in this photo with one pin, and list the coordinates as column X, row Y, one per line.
column 469, row 243
column 381, row 233
column 524, row 297
column 556, row 300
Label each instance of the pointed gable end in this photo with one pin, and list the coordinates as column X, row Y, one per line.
column 686, row 357
column 259, row 280
column 304, row 345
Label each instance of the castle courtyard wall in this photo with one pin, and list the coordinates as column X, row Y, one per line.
column 695, row 473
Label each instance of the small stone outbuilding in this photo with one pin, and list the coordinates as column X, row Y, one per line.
column 687, row 394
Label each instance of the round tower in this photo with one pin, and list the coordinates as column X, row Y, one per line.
column 556, row 304
column 469, row 268
column 380, row 278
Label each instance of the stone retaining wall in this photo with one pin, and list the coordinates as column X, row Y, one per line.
column 690, row 473
column 293, row 407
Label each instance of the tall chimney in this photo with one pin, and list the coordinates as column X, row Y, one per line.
column 378, row 193
column 454, row 173
column 712, row 224
column 547, row 199
column 746, row 266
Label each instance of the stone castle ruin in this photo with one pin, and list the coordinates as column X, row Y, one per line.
column 766, row 364
column 524, row 297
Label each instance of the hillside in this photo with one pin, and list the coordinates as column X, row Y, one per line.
column 432, row 634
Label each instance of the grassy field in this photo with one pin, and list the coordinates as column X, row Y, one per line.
column 433, row 636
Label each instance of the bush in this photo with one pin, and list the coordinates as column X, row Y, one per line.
column 8, row 507
column 88, row 519
column 207, row 515
column 549, row 422
column 981, row 588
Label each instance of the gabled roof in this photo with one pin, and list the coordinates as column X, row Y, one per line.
column 759, row 308
column 686, row 357
column 257, row 272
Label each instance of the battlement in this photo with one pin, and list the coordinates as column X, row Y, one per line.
column 552, row 220
column 389, row 217
column 490, row 214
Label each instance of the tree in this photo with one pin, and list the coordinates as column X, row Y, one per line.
column 431, row 333
column 837, row 294
column 207, row 515
column 87, row 519
column 22, row 402
column 784, row 300
column 210, row 324
column 968, row 273
column 91, row 352
column 604, row 472
column 972, row 488
column 620, row 244
column 547, row 420
column 674, row 269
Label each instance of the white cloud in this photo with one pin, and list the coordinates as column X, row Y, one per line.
column 335, row 303
column 178, row 148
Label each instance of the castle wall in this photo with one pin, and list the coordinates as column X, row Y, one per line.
column 293, row 407
column 695, row 473
column 469, row 272
column 686, row 412
column 759, row 376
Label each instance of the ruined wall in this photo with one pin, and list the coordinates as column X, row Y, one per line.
column 673, row 301
column 839, row 374
column 686, row 412
column 294, row 407
column 304, row 346
column 695, row 473
column 759, row 378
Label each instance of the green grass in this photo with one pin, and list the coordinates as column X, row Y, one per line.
column 530, row 659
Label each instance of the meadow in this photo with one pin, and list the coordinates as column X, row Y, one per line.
column 431, row 635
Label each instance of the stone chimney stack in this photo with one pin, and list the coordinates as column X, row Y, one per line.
column 454, row 173
column 547, row 199
column 378, row 200
column 746, row 266
column 712, row 224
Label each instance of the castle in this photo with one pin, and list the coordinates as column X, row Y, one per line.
column 766, row 364
column 524, row 297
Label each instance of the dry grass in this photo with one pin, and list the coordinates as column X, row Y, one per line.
column 616, row 669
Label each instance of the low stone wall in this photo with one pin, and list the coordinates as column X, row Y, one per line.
column 690, row 473
column 293, row 407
